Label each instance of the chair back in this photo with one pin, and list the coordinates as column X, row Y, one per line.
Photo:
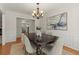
column 58, row 47
column 28, row 45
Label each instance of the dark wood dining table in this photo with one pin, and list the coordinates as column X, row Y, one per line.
column 42, row 42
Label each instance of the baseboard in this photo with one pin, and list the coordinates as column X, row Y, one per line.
column 71, row 50
column 3, row 44
column 18, row 39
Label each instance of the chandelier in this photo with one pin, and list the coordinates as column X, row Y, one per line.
column 37, row 13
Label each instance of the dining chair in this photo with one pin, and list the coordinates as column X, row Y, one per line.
column 56, row 49
column 28, row 47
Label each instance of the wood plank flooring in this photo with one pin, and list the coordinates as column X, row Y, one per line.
column 7, row 47
column 0, row 49
column 70, row 50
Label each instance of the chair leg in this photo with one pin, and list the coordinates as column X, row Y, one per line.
column 26, row 53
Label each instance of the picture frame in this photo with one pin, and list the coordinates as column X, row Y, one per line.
column 57, row 22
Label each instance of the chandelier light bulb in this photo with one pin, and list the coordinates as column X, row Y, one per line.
column 32, row 14
column 41, row 11
column 34, row 11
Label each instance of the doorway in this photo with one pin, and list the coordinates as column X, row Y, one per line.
column 21, row 23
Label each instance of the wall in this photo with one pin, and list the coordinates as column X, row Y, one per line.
column 0, row 27
column 0, row 19
column 71, row 36
column 9, row 25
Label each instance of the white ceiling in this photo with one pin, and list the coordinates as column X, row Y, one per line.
column 27, row 8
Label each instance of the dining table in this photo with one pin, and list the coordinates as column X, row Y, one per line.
column 42, row 42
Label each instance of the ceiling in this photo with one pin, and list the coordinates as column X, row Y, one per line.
column 27, row 8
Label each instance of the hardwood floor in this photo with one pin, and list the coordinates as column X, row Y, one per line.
column 0, row 49
column 7, row 47
column 70, row 50
column 0, row 44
